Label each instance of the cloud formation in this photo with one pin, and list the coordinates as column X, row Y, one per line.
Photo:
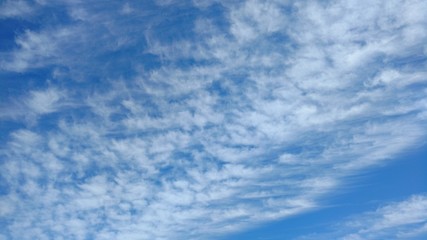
column 190, row 126
column 400, row 220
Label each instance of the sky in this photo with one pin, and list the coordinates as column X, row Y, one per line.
column 213, row 119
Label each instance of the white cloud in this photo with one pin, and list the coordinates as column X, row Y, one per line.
column 290, row 94
column 42, row 102
column 255, row 18
column 400, row 220
column 15, row 8
column 35, row 104
column 37, row 49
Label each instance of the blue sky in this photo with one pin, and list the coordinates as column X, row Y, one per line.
column 210, row 119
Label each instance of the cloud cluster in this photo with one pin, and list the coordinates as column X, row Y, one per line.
column 207, row 120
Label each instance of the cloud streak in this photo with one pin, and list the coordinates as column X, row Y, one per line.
column 400, row 220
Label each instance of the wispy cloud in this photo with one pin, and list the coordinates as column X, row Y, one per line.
column 228, row 122
column 34, row 104
column 36, row 49
column 401, row 220
column 14, row 9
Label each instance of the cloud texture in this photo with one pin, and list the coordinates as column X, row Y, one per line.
column 207, row 120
